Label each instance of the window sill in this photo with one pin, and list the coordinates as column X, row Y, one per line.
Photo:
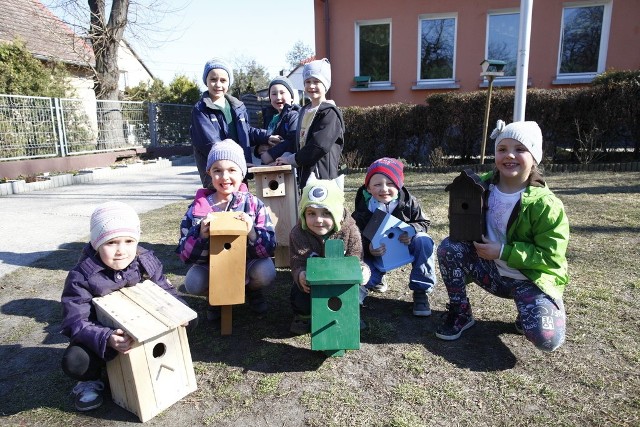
column 435, row 85
column 570, row 80
column 373, row 88
column 508, row 82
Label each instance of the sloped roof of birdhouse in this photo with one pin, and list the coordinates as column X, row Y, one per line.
column 468, row 177
column 46, row 36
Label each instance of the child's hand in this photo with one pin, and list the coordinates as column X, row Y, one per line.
column 246, row 218
column 120, row 341
column 205, row 224
column 275, row 140
column 266, row 158
column 405, row 238
column 377, row 251
column 302, row 281
column 488, row 249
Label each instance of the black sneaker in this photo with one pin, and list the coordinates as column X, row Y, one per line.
column 88, row 395
column 300, row 325
column 421, row 306
column 213, row 313
column 458, row 318
column 256, row 300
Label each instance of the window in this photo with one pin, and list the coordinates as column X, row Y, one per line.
column 373, row 51
column 584, row 39
column 502, row 40
column 437, row 48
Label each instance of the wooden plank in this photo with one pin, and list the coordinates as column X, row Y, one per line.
column 226, row 319
column 190, row 375
column 226, row 224
column 116, row 310
column 262, row 169
column 160, row 304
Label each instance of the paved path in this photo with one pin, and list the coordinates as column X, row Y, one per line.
column 34, row 224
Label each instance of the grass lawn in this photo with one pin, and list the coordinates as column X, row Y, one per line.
column 402, row 375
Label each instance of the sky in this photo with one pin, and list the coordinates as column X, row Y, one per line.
column 236, row 30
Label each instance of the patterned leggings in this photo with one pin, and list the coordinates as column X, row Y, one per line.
column 543, row 319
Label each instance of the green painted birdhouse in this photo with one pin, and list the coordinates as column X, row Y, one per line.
column 335, row 307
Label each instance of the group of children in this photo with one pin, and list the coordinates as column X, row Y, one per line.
column 521, row 256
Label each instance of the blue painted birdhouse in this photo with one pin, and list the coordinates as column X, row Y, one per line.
column 384, row 228
column 335, row 307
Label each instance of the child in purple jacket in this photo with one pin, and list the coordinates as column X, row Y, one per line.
column 111, row 261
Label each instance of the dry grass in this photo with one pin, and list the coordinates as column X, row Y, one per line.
column 402, row 375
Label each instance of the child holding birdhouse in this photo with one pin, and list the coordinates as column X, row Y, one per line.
column 523, row 254
column 384, row 190
column 111, row 261
column 227, row 167
column 322, row 216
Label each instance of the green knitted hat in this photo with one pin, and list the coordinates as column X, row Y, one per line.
column 323, row 193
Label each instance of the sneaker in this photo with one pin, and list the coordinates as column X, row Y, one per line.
column 213, row 313
column 256, row 300
column 88, row 395
column 518, row 325
column 380, row 287
column 458, row 318
column 421, row 304
column 300, row 325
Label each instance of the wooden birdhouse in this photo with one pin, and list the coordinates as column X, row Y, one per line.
column 276, row 187
column 384, row 228
column 227, row 264
column 157, row 371
column 466, row 207
column 335, row 307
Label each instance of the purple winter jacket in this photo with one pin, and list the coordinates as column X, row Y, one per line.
column 92, row 278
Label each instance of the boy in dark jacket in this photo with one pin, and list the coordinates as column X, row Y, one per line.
column 113, row 260
column 384, row 189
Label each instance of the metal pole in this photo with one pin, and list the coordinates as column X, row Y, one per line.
column 486, row 120
column 522, row 65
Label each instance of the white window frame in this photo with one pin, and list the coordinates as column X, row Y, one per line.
column 505, row 80
column 568, row 78
column 446, row 83
column 379, row 84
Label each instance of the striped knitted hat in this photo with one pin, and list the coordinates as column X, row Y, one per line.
column 113, row 219
column 391, row 168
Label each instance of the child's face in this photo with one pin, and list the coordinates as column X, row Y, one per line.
column 315, row 89
column 382, row 188
column 513, row 160
column 226, row 177
column 319, row 220
column 279, row 96
column 217, row 83
column 118, row 252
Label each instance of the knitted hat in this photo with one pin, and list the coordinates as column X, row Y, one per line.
column 320, row 69
column 323, row 193
column 391, row 168
column 218, row 63
column 227, row 149
column 113, row 219
column 282, row 80
column 526, row 133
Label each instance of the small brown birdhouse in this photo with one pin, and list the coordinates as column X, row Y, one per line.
column 466, row 207
column 157, row 371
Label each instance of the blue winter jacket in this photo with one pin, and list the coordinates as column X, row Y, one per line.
column 92, row 278
column 208, row 126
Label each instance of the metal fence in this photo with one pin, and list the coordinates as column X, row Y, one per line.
column 32, row 127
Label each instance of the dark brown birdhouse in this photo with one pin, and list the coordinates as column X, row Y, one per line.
column 466, row 207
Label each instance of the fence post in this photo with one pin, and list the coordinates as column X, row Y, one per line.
column 62, row 137
column 153, row 123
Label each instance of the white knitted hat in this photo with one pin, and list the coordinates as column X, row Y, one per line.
column 113, row 219
column 526, row 133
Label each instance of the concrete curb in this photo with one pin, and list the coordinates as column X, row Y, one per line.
column 89, row 175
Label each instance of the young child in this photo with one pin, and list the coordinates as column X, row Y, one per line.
column 227, row 167
column 384, row 189
column 113, row 260
column 280, row 122
column 320, row 135
column 322, row 216
column 217, row 116
column 523, row 254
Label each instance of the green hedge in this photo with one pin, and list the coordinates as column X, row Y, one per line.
column 581, row 125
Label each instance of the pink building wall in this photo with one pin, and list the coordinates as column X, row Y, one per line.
column 623, row 50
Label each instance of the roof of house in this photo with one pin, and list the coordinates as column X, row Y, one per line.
column 45, row 35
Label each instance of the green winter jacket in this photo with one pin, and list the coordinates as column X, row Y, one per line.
column 537, row 237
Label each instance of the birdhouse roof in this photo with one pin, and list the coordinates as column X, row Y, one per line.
column 469, row 178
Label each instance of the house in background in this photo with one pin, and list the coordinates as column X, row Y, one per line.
column 50, row 39
column 405, row 50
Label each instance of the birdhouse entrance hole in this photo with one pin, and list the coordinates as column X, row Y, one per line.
column 227, row 246
column 273, row 185
column 334, row 303
column 465, row 206
column 159, row 350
